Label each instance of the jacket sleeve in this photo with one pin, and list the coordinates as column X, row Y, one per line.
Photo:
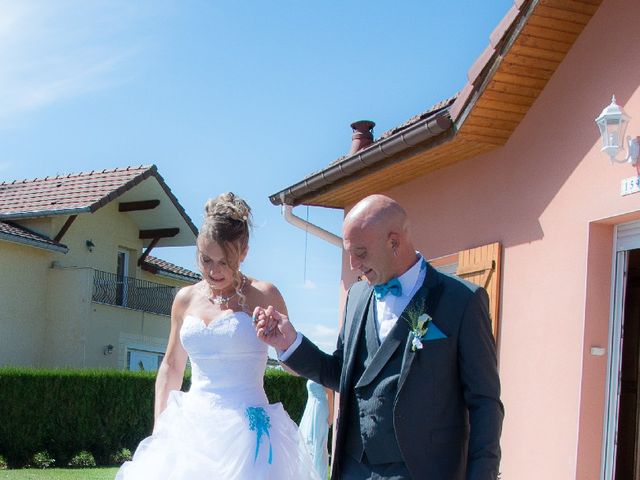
column 481, row 387
column 311, row 362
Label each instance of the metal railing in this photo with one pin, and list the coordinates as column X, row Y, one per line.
column 129, row 292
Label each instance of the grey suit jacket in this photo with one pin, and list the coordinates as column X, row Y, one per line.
column 447, row 411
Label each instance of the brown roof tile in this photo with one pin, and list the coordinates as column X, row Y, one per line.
column 64, row 194
column 13, row 232
column 159, row 264
column 433, row 110
column 421, row 116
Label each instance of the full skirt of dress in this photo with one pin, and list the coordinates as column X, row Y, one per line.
column 197, row 437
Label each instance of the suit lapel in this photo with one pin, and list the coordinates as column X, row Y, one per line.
column 395, row 338
column 399, row 333
column 433, row 290
column 354, row 334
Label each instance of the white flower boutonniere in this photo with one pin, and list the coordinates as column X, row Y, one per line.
column 419, row 328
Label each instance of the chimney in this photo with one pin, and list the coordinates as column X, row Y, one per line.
column 362, row 135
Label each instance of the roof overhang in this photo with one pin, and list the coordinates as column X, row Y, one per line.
column 140, row 193
column 10, row 232
column 525, row 50
column 165, row 217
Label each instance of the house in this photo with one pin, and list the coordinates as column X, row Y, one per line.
column 78, row 286
column 507, row 185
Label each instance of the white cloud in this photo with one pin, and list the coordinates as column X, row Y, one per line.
column 323, row 336
column 309, row 285
column 52, row 51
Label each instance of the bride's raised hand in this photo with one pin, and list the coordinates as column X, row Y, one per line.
column 274, row 328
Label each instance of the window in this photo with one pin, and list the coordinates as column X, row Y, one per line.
column 143, row 360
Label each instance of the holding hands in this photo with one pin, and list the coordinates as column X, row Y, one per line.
column 273, row 327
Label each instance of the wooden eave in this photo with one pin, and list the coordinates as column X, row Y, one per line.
column 505, row 82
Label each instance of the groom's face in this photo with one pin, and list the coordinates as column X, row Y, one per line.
column 370, row 253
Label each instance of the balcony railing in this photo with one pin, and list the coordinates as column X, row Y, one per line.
column 132, row 293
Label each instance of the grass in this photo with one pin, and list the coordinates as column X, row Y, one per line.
column 59, row 474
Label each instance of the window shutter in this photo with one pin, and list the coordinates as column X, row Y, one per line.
column 481, row 266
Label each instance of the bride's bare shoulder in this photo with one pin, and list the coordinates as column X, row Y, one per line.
column 186, row 296
column 263, row 293
column 190, row 291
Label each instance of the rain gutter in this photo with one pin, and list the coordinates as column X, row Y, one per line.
column 44, row 213
column 358, row 164
column 33, row 243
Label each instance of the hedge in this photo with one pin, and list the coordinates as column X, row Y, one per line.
column 101, row 411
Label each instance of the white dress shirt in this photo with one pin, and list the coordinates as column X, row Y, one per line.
column 388, row 309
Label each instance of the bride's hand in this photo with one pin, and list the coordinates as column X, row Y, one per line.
column 274, row 328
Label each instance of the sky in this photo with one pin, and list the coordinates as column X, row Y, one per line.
column 248, row 97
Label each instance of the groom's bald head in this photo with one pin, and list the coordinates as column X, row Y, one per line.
column 376, row 238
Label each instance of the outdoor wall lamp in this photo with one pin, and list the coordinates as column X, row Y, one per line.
column 612, row 123
column 90, row 245
column 108, row 349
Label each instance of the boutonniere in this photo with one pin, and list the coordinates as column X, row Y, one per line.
column 419, row 328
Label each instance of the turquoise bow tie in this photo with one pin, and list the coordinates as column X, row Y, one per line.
column 393, row 287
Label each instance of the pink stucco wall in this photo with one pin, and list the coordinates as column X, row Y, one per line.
column 551, row 198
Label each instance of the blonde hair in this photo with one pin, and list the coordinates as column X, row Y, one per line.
column 227, row 221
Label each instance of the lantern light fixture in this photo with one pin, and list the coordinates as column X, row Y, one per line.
column 612, row 123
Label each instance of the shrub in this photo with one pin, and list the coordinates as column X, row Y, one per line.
column 65, row 411
column 3, row 463
column 82, row 459
column 102, row 411
column 286, row 388
column 42, row 460
column 121, row 456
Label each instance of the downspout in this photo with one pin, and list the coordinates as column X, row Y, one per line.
column 287, row 213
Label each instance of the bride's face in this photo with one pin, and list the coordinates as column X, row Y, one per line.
column 214, row 265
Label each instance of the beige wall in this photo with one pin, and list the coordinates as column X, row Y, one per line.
column 125, row 329
column 47, row 316
column 108, row 230
column 551, row 198
column 78, row 330
column 23, row 286
column 68, row 310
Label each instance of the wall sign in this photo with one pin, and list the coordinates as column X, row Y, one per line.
column 630, row 185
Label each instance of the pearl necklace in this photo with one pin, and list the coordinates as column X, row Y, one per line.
column 219, row 299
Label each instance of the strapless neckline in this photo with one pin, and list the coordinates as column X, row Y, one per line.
column 219, row 318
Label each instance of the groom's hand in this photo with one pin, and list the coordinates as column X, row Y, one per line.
column 274, row 328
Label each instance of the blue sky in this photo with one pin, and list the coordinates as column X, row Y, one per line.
column 245, row 96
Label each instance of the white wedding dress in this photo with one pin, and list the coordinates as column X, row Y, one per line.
column 223, row 427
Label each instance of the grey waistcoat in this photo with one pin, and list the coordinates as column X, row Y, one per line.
column 370, row 418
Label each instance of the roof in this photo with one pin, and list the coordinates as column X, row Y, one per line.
column 86, row 192
column 159, row 266
column 12, row 232
column 524, row 51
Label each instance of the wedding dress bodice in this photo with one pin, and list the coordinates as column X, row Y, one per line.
column 227, row 358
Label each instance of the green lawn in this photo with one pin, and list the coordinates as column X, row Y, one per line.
column 59, row 474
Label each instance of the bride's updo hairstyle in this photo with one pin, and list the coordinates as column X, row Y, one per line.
column 227, row 221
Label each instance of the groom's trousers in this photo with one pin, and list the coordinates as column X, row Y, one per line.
column 351, row 469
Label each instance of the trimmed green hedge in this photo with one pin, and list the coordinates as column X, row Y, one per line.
column 100, row 411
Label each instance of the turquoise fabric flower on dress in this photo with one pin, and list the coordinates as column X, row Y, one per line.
column 259, row 422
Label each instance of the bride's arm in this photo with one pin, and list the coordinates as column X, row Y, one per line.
column 171, row 369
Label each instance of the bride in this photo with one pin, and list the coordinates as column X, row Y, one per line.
column 224, row 426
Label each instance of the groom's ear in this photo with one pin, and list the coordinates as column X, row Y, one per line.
column 393, row 240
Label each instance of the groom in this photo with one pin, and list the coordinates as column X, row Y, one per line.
column 419, row 394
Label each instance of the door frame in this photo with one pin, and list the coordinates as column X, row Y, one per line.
column 626, row 237
column 123, row 280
